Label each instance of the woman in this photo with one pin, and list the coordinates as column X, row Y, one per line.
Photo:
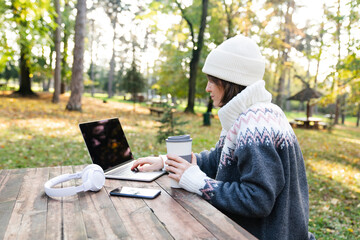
column 256, row 173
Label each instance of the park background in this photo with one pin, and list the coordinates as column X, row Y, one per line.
column 64, row 61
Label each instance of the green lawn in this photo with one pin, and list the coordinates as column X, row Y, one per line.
column 37, row 133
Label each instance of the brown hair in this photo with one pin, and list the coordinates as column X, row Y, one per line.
column 230, row 89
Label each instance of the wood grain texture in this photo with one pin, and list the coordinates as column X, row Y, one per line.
column 218, row 224
column 177, row 220
column 100, row 217
column 54, row 221
column 139, row 220
column 26, row 212
column 10, row 183
column 28, row 219
column 73, row 221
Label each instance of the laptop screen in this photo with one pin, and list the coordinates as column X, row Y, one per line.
column 106, row 143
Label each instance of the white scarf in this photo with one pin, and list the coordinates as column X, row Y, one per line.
column 255, row 93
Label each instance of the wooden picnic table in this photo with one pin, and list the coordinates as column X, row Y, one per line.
column 310, row 122
column 26, row 212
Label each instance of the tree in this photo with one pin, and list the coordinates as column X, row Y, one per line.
column 6, row 51
column 133, row 81
column 336, row 19
column 30, row 22
column 68, row 28
column 10, row 72
column 171, row 73
column 74, row 103
column 57, row 72
column 113, row 9
column 287, row 27
column 197, row 46
column 169, row 124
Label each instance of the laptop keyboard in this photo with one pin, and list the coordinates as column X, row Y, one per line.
column 123, row 170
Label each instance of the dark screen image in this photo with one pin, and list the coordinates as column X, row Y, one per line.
column 106, row 142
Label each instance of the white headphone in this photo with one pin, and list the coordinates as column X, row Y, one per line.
column 93, row 179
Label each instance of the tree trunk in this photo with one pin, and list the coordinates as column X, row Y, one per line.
column 288, row 105
column 343, row 108
column 337, row 111
column 25, row 52
column 196, row 53
column 192, row 82
column 91, row 58
column 25, row 81
column 112, row 61
column 338, row 77
column 64, row 64
column 228, row 11
column 57, row 73
column 111, row 76
column 74, row 103
column 288, row 21
column 358, row 117
column 280, row 90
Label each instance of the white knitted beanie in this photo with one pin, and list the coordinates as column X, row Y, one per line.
column 237, row 60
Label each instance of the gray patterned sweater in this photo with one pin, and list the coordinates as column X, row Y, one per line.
column 256, row 173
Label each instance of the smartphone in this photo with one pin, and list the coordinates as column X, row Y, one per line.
column 147, row 193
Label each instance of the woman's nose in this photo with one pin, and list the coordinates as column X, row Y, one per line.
column 207, row 89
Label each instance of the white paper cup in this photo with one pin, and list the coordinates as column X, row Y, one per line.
column 181, row 146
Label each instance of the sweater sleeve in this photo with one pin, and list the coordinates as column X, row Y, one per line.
column 260, row 182
column 254, row 194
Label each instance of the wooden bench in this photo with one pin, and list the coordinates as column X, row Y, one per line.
column 296, row 124
column 323, row 125
column 157, row 107
column 159, row 111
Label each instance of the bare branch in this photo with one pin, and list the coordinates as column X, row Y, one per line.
column 188, row 21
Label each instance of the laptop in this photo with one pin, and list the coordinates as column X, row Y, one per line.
column 108, row 148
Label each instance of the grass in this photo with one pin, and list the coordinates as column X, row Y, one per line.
column 37, row 133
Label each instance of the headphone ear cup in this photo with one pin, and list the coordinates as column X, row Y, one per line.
column 93, row 178
column 85, row 172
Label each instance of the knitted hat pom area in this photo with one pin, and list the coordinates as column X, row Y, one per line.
column 237, row 60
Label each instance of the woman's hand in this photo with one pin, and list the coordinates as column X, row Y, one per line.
column 176, row 165
column 148, row 164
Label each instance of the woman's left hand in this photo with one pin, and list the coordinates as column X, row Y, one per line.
column 176, row 165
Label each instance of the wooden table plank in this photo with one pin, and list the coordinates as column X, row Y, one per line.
column 139, row 220
column 28, row 219
column 183, row 224
column 10, row 183
column 100, row 216
column 218, row 224
column 3, row 174
column 73, row 221
column 54, row 210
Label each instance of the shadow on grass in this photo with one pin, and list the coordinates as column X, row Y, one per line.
column 340, row 146
column 334, row 209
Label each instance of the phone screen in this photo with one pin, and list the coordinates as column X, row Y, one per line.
column 135, row 192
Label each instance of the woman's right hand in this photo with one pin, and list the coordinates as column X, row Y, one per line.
column 148, row 164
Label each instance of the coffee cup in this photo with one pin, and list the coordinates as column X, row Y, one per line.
column 180, row 146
